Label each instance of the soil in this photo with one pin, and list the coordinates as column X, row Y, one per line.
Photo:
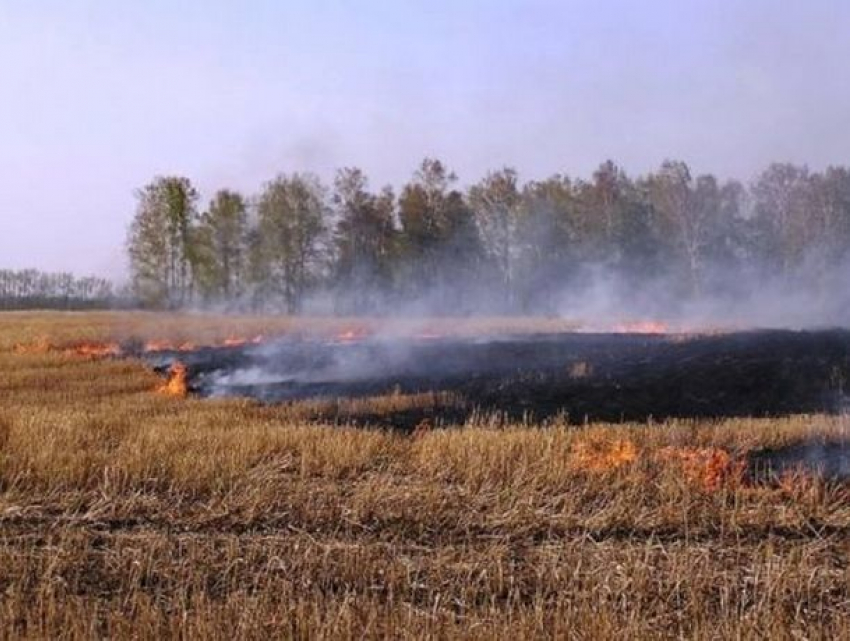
column 608, row 377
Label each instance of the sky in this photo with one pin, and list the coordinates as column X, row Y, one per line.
column 98, row 97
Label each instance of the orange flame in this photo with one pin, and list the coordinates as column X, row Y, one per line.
column 237, row 341
column 709, row 467
column 93, row 350
column 84, row 349
column 177, row 383
column 159, row 345
column 603, row 455
column 40, row 346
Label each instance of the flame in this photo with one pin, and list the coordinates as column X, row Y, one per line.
column 603, row 455
column 177, row 384
column 40, row 346
column 709, row 467
column 93, row 350
column 100, row 349
column 160, row 345
column 84, row 349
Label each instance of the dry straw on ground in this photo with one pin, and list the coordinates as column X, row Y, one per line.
column 125, row 513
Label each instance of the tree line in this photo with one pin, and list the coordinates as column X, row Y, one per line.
column 31, row 288
column 499, row 245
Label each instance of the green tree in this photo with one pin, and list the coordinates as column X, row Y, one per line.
column 425, row 223
column 159, row 242
column 292, row 215
column 365, row 239
column 220, row 247
column 440, row 251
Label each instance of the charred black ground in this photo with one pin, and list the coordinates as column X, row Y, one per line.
column 610, row 377
column 830, row 459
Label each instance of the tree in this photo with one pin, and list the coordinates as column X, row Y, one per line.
column 32, row 289
column 434, row 220
column 547, row 238
column 830, row 199
column 159, row 242
column 679, row 219
column 449, row 250
column 220, row 247
column 365, row 238
column 782, row 215
column 495, row 202
column 292, row 216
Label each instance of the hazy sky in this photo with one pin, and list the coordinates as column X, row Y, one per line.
column 98, row 97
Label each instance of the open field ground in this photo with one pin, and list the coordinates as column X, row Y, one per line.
column 127, row 513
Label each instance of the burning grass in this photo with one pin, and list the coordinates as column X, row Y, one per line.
column 177, row 383
column 125, row 513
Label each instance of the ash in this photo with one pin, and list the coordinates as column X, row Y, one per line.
column 611, row 377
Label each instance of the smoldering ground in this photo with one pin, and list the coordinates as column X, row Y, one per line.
column 583, row 376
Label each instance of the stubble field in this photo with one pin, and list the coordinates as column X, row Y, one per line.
column 127, row 513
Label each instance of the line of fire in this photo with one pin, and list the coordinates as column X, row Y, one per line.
column 633, row 372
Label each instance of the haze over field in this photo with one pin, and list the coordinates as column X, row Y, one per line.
column 100, row 97
column 487, row 319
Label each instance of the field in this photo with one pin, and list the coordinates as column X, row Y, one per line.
column 127, row 513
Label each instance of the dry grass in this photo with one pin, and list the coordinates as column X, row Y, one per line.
column 124, row 513
column 68, row 327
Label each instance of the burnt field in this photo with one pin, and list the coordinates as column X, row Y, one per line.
column 581, row 376
column 126, row 512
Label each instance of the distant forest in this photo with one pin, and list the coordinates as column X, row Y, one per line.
column 33, row 289
column 499, row 246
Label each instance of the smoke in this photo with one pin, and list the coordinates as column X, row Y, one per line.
column 739, row 299
column 828, row 459
column 598, row 298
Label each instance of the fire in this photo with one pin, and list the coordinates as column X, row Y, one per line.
column 603, row 455
column 93, row 350
column 159, row 345
column 41, row 346
column 641, row 327
column 708, row 467
column 177, row 383
column 84, row 349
